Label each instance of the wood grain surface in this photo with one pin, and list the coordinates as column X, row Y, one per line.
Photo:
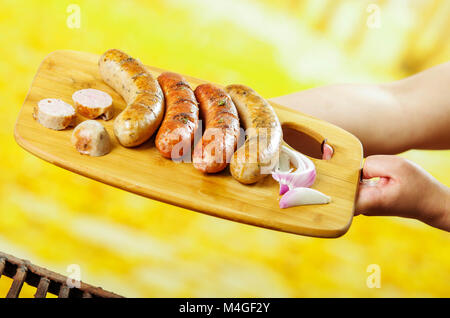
column 144, row 171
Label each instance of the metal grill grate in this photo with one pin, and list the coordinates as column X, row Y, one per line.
column 45, row 281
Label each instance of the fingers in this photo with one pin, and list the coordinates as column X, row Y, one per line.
column 372, row 194
column 327, row 150
column 380, row 166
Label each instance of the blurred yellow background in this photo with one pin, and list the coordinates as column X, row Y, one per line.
column 138, row 247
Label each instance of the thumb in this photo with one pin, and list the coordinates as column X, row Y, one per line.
column 370, row 194
column 379, row 166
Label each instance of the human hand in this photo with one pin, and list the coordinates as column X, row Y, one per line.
column 403, row 189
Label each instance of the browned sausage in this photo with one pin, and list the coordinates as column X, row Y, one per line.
column 260, row 152
column 213, row 152
column 145, row 100
column 181, row 118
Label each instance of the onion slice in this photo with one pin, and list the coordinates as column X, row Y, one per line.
column 303, row 196
column 295, row 182
column 303, row 175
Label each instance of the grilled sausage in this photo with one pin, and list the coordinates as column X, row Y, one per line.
column 176, row 133
column 257, row 156
column 213, row 152
column 142, row 93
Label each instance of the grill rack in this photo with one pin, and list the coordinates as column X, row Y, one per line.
column 45, row 281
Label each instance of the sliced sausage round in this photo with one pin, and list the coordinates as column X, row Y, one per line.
column 54, row 113
column 91, row 138
column 92, row 103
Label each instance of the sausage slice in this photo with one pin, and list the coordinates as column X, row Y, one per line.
column 54, row 113
column 91, row 138
column 92, row 103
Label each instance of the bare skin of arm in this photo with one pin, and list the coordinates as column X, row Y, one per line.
column 413, row 113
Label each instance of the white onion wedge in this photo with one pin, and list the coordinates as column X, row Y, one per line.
column 303, row 196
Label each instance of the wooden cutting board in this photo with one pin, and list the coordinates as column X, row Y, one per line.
column 144, row 171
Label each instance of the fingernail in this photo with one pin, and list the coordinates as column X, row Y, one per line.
column 327, row 150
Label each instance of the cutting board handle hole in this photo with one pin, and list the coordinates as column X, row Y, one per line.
column 302, row 142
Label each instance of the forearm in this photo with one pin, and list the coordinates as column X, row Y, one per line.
column 425, row 100
column 387, row 118
column 436, row 210
column 367, row 111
